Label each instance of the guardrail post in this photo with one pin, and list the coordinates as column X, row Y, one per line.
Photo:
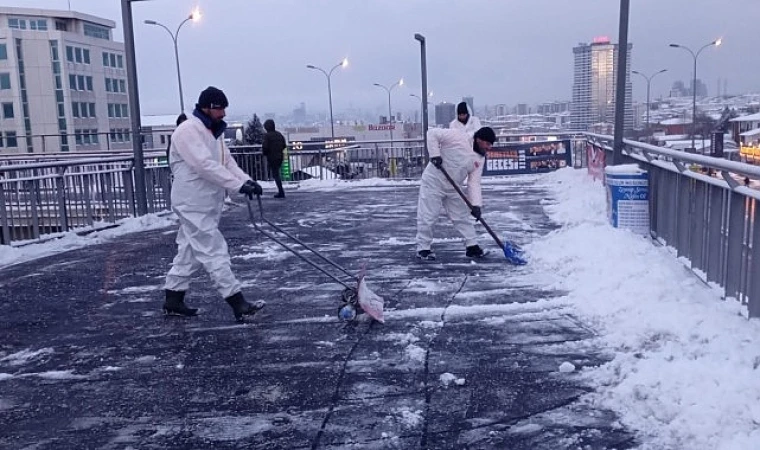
column 321, row 162
column 753, row 294
column 33, row 192
column 86, row 181
column 5, row 237
column 60, row 184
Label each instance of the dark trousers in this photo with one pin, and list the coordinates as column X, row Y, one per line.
column 274, row 171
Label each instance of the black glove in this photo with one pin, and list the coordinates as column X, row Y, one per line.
column 437, row 161
column 476, row 212
column 251, row 188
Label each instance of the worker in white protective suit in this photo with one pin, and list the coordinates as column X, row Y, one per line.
column 203, row 172
column 465, row 120
column 462, row 157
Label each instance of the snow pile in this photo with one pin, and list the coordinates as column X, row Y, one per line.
column 26, row 251
column 686, row 362
column 447, row 378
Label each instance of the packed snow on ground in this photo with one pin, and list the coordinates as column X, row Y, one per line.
column 685, row 367
column 685, row 371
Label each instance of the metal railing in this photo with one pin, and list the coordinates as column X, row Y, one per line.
column 45, row 194
column 51, row 197
column 703, row 208
column 352, row 160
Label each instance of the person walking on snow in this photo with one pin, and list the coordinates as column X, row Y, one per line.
column 462, row 156
column 203, row 172
column 273, row 147
column 465, row 121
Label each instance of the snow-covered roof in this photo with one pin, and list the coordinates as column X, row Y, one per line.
column 749, row 133
column 750, row 118
column 675, row 121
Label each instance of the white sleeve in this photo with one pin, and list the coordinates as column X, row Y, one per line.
column 189, row 145
column 434, row 137
column 474, row 191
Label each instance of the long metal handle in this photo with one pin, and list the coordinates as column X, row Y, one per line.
column 291, row 250
column 306, row 246
column 464, row 197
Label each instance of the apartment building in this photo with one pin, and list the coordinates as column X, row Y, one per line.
column 594, row 82
column 63, row 83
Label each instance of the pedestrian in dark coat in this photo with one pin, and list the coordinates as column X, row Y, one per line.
column 273, row 147
column 180, row 118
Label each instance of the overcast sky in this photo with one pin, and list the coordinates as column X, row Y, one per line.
column 499, row 51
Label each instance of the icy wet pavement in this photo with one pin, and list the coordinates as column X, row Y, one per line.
column 468, row 358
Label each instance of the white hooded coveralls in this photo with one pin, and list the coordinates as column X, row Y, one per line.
column 462, row 163
column 203, row 171
column 472, row 125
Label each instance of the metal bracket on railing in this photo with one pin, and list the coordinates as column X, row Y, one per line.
column 647, row 155
column 732, row 183
column 679, row 165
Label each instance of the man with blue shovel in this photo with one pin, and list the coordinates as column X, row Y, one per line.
column 456, row 156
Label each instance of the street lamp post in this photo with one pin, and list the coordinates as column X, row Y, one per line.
column 194, row 16
column 141, row 198
column 649, row 81
column 622, row 79
column 716, row 43
column 423, row 65
column 390, row 112
column 328, row 75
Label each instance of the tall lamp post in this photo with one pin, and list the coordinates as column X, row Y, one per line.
column 649, row 81
column 622, row 70
column 715, row 43
column 390, row 113
column 328, row 75
column 194, row 16
column 141, row 197
column 423, row 65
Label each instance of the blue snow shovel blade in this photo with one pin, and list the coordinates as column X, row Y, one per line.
column 514, row 254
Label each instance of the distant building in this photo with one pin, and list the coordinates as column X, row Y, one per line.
column 445, row 112
column 553, row 107
column 679, row 89
column 701, row 88
column 299, row 114
column 63, row 83
column 522, row 109
column 594, row 82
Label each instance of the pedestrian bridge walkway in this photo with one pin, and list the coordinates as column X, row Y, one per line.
column 472, row 355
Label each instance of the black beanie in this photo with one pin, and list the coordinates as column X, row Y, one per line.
column 462, row 108
column 213, row 98
column 486, row 134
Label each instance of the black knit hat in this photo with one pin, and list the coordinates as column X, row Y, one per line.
column 213, row 98
column 462, row 108
column 486, row 134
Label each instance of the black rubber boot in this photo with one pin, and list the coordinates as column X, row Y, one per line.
column 474, row 251
column 426, row 255
column 175, row 304
column 241, row 307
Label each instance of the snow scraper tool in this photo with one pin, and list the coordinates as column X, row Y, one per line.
column 356, row 295
column 512, row 252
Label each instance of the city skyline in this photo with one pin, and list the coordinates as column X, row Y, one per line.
column 466, row 54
